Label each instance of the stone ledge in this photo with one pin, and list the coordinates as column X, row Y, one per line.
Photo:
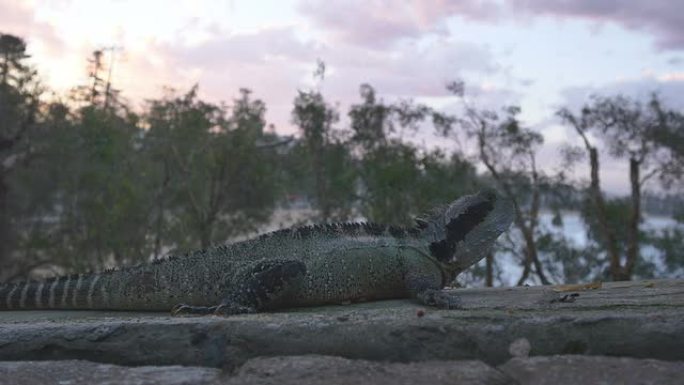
column 313, row 369
column 637, row 319
column 561, row 370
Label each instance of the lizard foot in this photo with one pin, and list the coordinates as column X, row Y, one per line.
column 183, row 309
column 224, row 309
column 440, row 299
column 228, row 308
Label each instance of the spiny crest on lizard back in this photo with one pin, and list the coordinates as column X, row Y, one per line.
column 352, row 229
column 460, row 232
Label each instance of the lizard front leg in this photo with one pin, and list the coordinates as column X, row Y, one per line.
column 252, row 289
column 424, row 279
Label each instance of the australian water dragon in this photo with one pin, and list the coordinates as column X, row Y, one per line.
column 304, row 266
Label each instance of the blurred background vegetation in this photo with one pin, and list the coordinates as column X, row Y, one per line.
column 88, row 182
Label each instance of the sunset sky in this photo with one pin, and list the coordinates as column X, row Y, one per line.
column 540, row 54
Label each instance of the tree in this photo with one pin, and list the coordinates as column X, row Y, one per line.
column 324, row 155
column 400, row 180
column 103, row 204
column 633, row 131
column 213, row 182
column 19, row 111
column 508, row 152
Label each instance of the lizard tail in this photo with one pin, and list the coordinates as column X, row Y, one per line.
column 66, row 292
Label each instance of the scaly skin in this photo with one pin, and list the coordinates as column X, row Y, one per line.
column 306, row 266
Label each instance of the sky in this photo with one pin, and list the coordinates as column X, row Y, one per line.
column 539, row 54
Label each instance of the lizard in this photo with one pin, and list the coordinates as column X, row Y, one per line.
column 301, row 266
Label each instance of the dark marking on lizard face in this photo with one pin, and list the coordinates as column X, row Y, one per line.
column 459, row 227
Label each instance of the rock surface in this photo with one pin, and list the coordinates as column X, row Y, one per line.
column 83, row 372
column 295, row 370
column 515, row 326
column 560, row 370
column 313, row 369
column 335, row 370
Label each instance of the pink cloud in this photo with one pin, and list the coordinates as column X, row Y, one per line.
column 408, row 69
column 271, row 62
column 275, row 63
column 17, row 18
column 258, row 47
column 663, row 18
column 379, row 23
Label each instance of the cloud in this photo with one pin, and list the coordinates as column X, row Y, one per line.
column 255, row 48
column 380, row 23
column 17, row 18
column 668, row 86
column 272, row 62
column 662, row 18
column 275, row 63
column 675, row 61
column 614, row 172
column 409, row 69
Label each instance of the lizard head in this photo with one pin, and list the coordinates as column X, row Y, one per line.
column 462, row 233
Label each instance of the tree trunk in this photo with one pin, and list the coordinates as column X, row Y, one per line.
column 600, row 205
column 206, row 230
column 320, row 187
column 205, row 238
column 5, row 236
column 158, row 228
column 635, row 216
column 5, row 69
column 534, row 220
column 526, row 270
column 489, row 269
column 160, row 211
column 531, row 256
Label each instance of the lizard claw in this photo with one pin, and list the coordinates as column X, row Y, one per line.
column 224, row 309
column 440, row 299
column 179, row 309
column 183, row 309
column 227, row 309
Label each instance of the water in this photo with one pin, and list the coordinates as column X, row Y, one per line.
column 574, row 231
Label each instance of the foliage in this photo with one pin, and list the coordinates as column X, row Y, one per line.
column 212, row 181
column 325, row 165
column 398, row 179
column 20, row 94
column 86, row 183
